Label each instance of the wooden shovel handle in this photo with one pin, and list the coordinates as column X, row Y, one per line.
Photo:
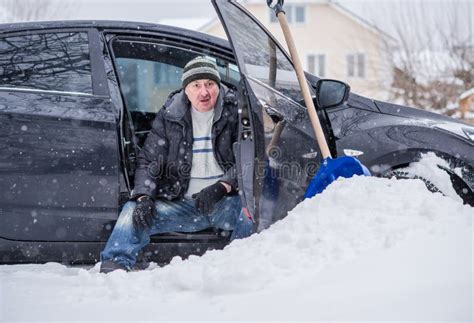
column 313, row 116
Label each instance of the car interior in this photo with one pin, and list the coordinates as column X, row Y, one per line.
column 149, row 72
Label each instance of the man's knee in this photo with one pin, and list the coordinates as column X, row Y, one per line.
column 125, row 217
column 232, row 201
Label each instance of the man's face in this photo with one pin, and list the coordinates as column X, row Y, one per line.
column 202, row 94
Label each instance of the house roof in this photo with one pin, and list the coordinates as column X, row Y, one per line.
column 467, row 94
column 350, row 14
column 337, row 6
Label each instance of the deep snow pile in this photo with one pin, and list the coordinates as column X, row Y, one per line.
column 365, row 249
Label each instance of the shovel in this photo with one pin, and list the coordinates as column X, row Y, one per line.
column 330, row 169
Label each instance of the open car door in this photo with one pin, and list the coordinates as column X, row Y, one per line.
column 277, row 154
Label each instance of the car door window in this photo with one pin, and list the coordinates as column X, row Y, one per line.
column 46, row 61
column 149, row 72
column 286, row 153
column 259, row 56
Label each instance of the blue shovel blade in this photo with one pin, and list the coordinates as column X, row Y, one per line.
column 331, row 169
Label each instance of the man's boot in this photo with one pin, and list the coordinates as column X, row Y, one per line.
column 108, row 266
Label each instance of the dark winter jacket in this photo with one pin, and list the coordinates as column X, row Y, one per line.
column 164, row 163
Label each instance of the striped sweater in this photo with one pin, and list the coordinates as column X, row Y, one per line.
column 205, row 170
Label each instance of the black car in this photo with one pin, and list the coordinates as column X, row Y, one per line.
column 77, row 100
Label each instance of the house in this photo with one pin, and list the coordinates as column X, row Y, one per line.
column 466, row 106
column 332, row 43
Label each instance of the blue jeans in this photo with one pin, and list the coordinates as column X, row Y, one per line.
column 126, row 241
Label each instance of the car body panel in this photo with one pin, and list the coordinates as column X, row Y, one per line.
column 62, row 145
column 387, row 141
column 62, row 155
column 384, row 136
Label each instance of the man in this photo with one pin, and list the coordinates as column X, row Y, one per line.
column 185, row 179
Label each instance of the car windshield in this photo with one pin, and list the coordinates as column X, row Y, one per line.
column 260, row 57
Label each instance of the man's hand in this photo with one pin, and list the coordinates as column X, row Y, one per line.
column 208, row 197
column 144, row 212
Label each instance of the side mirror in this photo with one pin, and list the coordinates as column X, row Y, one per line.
column 331, row 93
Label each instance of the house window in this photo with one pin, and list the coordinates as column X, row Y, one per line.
column 294, row 14
column 317, row 64
column 356, row 65
column 299, row 14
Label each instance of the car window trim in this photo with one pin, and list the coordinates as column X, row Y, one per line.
column 98, row 75
column 43, row 31
column 187, row 44
column 176, row 39
column 32, row 90
column 124, row 110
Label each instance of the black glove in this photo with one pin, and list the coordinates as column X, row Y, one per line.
column 208, row 197
column 144, row 212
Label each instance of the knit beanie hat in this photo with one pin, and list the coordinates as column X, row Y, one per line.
column 200, row 68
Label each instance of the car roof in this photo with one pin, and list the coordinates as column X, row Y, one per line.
column 111, row 24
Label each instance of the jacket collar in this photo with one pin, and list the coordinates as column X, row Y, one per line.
column 177, row 107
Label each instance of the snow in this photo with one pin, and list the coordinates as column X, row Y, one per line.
column 466, row 94
column 366, row 249
column 429, row 167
